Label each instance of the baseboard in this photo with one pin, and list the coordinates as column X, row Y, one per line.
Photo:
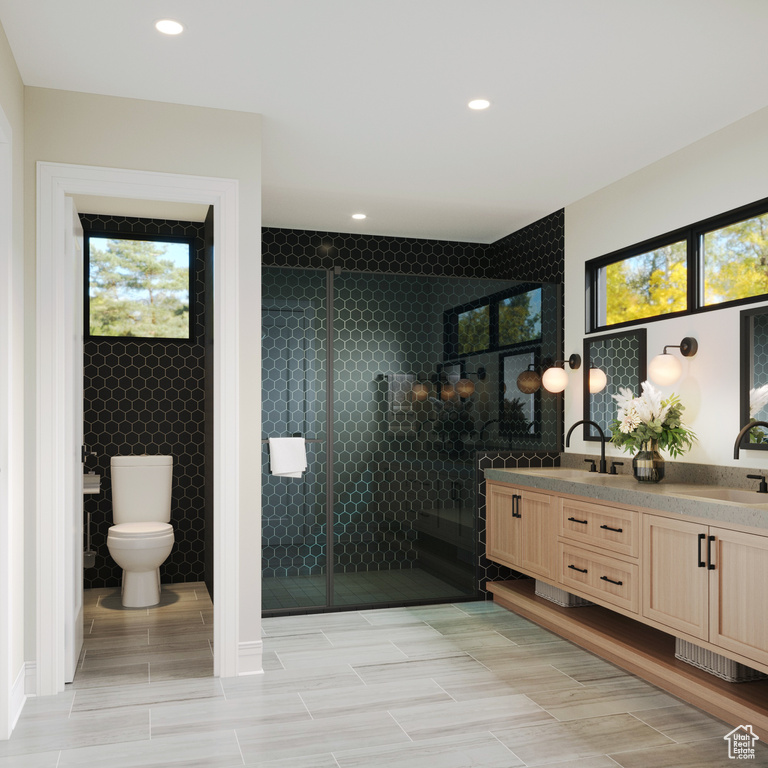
column 18, row 696
column 249, row 658
column 30, row 678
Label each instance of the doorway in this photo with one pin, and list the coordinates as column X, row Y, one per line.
column 57, row 454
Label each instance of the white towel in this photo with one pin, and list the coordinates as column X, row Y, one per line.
column 287, row 456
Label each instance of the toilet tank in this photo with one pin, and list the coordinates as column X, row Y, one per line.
column 141, row 489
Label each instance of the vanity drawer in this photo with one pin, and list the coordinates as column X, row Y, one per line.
column 597, row 525
column 603, row 578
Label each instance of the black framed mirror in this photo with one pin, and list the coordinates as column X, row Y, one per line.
column 754, row 376
column 519, row 411
column 623, row 358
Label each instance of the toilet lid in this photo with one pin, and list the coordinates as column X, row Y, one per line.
column 140, row 530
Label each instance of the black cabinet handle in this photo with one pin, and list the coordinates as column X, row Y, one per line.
column 605, row 578
column 702, row 564
column 580, row 570
column 574, row 520
column 615, row 530
column 710, row 565
column 516, row 505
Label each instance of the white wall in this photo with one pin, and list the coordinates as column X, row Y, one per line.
column 11, row 390
column 78, row 128
column 718, row 173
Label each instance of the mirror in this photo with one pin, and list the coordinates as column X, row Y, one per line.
column 754, row 376
column 519, row 412
column 623, row 358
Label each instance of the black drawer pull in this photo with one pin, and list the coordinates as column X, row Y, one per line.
column 574, row 520
column 605, row 578
column 580, row 570
column 615, row 530
column 710, row 564
column 702, row 536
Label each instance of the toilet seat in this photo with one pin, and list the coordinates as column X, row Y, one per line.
column 140, row 535
column 140, row 530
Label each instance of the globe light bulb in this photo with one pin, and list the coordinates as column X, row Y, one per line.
column 554, row 380
column 664, row 369
column 597, row 380
column 465, row 387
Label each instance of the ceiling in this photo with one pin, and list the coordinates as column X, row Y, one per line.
column 364, row 101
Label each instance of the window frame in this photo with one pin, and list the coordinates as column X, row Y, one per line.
column 693, row 235
column 493, row 301
column 116, row 234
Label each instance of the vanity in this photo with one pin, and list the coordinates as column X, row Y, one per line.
column 633, row 568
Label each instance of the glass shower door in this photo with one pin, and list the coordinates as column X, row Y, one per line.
column 294, row 404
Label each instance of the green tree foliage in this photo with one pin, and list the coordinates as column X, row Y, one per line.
column 520, row 318
column 736, row 261
column 650, row 284
column 474, row 330
column 134, row 291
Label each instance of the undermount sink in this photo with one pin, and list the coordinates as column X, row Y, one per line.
column 735, row 495
column 565, row 473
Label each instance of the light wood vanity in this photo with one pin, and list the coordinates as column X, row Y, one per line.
column 653, row 570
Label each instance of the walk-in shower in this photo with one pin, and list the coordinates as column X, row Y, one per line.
column 394, row 381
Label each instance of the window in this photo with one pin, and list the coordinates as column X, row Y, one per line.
column 716, row 262
column 137, row 286
column 735, row 261
column 474, row 330
column 520, row 318
column 494, row 322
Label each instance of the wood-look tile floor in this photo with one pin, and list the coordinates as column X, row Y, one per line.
column 468, row 685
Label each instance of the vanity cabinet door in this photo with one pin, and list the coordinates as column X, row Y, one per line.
column 675, row 576
column 739, row 593
column 502, row 540
column 537, row 534
column 520, row 529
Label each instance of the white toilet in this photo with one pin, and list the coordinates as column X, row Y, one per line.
column 142, row 537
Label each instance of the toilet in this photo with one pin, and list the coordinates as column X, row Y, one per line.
column 141, row 538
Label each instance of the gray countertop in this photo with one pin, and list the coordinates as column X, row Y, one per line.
column 624, row 489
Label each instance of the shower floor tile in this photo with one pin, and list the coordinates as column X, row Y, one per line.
column 363, row 588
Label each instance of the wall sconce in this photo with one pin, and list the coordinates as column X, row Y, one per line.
column 464, row 387
column 665, row 369
column 529, row 380
column 597, row 380
column 555, row 379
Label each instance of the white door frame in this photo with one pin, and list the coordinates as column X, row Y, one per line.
column 54, row 445
column 11, row 450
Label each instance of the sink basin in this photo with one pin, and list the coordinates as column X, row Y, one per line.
column 565, row 473
column 735, row 495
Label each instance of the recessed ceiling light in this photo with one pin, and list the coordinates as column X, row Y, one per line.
column 169, row 27
column 479, row 104
column 359, row 216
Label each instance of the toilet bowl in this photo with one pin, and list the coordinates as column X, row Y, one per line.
column 141, row 538
column 140, row 549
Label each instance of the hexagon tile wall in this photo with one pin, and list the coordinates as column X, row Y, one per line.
column 144, row 396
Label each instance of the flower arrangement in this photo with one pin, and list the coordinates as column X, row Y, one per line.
column 648, row 422
column 758, row 399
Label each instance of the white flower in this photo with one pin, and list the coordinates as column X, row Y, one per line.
column 758, row 399
column 649, row 405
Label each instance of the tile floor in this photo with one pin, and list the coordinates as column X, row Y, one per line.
column 468, row 685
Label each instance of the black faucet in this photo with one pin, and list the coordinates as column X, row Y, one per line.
column 603, row 469
column 746, row 428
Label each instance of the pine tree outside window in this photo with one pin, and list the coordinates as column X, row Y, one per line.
column 138, row 287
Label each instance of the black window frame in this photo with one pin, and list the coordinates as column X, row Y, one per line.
column 116, row 234
column 493, row 301
column 693, row 235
